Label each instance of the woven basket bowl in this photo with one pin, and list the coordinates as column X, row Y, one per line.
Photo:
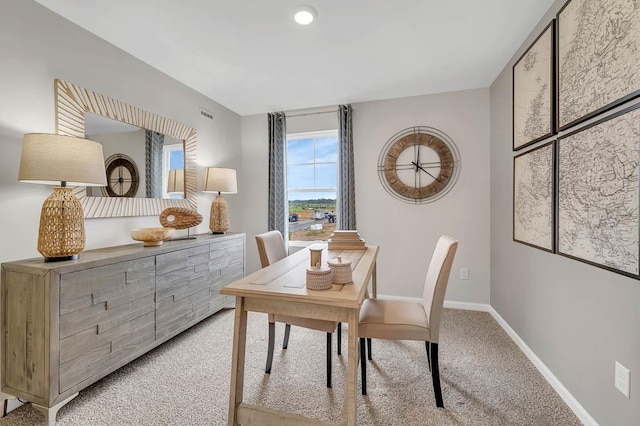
column 318, row 278
column 340, row 270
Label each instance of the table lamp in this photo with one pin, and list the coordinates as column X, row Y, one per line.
column 51, row 159
column 222, row 181
column 175, row 181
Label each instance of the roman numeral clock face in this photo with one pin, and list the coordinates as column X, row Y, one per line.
column 419, row 165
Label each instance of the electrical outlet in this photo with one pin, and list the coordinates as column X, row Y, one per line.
column 622, row 379
column 464, row 273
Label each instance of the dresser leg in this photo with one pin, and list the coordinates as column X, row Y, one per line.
column 5, row 402
column 51, row 412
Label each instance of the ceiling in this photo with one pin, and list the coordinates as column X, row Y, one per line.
column 251, row 57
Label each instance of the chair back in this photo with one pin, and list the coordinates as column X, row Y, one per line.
column 435, row 284
column 270, row 247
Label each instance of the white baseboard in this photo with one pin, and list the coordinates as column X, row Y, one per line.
column 562, row 391
column 451, row 304
column 466, row 306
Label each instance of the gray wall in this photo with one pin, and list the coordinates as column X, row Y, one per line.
column 255, row 163
column 37, row 46
column 406, row 233
column 577, row 318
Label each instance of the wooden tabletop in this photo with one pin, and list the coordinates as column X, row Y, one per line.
column 285, row 279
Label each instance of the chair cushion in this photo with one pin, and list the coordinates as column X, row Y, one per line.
column 271, row 247
column 314, row 324
column 393, row 319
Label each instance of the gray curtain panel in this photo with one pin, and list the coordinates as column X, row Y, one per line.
column 278, row 208
column 346, row 199
column 153, row 164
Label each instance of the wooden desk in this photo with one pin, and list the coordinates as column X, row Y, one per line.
column 279, row 289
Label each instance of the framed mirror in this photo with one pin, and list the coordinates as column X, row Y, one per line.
column 72, row 105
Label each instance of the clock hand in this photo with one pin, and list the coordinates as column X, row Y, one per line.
column 404, row 166
column 418, row 166
column 416, row 151
column 397, row 167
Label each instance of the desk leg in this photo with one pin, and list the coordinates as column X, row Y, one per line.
column 374, row 281
column 350, row 396
column 237, row 362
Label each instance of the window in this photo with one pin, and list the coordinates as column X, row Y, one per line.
column 312, row 180
column 173, row 158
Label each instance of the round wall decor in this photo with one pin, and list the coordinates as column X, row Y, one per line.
column 122, row 176
column 419, row 165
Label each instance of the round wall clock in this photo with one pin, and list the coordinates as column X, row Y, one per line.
column 419, row 165
column 122, row 176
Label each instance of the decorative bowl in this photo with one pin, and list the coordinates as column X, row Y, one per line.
column 152, row 236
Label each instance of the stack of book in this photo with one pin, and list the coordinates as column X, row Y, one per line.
column 346, row 240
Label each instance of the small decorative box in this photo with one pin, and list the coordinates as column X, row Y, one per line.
column 340, row 270
column 318, row 277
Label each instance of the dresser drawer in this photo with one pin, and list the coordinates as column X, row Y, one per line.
column 188, row 283
column 106, row 314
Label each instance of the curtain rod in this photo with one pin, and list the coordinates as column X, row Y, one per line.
column 310, row 113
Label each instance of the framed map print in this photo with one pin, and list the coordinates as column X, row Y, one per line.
column 598, row 57
column 533, row 95
column 598, row 193
column 533, row 197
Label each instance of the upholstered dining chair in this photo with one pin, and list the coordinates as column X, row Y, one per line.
column 271, row 248
column 402, row 320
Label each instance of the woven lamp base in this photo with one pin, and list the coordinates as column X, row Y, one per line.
column 219, row 218
column 61, row 235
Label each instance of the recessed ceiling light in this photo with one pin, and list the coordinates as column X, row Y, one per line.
column 305, row 15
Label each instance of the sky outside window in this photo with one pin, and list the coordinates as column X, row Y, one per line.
column 176, row 159
column 312, row 169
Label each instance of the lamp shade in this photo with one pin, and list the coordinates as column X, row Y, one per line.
column 51, row 159
column 175, row 184
column 220, row 180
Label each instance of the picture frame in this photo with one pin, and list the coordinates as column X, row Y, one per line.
column 534, row 197
column 533, row 106
column 598, row 193
column 598, row 65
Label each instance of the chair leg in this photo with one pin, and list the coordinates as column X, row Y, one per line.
column 329, row 359
column 363, row 367
column 435, row 375
column 271, row 343
column 339, row 338
column 369, row 348
column 427, row 343
column 287, row 330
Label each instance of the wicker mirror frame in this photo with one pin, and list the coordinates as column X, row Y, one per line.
column 72, row 102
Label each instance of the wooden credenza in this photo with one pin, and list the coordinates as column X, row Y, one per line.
column 66, row 325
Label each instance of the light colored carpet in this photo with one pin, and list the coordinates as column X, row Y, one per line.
column 486, row 380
